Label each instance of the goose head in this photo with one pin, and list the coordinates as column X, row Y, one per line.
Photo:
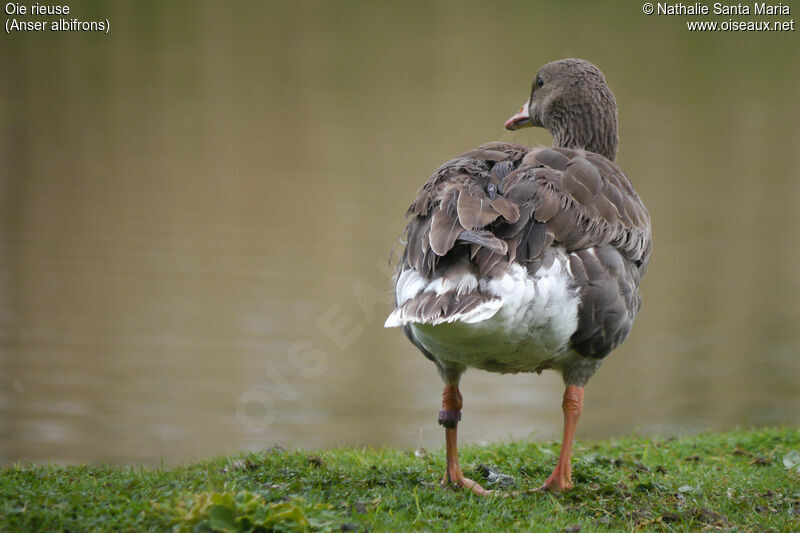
column 571, row 99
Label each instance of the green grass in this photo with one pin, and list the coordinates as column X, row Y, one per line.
column 739, row 481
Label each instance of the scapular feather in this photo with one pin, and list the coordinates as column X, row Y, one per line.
column 474, row 211
column 485, row 239
column 509, row 211
column 445, row 229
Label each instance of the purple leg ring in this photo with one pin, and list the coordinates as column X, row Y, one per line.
column 449, row 419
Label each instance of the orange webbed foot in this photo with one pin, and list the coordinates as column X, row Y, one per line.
column 461, row 482
column 555, row 483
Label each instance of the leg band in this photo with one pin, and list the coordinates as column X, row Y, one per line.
column 449, row 419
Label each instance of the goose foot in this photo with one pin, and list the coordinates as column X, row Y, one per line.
column 555, row 483
column 466, row 484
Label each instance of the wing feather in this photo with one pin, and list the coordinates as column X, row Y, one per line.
column 503, row 203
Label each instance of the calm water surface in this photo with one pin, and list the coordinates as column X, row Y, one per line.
column 196, row 212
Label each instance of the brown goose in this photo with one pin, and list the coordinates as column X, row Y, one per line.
column 523, row 259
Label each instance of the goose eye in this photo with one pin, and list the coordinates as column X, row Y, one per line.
column 539, row 82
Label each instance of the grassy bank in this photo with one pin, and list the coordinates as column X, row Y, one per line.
column 747, row 480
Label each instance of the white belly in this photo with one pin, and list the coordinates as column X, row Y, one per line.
column 529, row 332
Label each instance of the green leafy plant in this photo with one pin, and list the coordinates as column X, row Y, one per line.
column 245, row 512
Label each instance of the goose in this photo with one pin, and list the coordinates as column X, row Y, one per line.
column 524, row 259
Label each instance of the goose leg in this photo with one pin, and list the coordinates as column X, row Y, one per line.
column 561, row 478
column 449, row 417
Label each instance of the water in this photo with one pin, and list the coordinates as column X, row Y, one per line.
column 196, row 213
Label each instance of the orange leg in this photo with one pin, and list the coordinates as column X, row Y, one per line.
column 448, row 417
column 561, row 478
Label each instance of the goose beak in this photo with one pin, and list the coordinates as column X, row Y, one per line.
column 521, row 120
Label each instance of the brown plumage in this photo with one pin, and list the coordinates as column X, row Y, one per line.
column 528, row 244
column 546, row 197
